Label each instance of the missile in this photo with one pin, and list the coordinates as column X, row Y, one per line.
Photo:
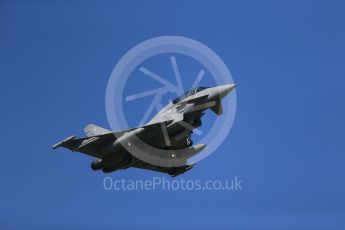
column 66, row 141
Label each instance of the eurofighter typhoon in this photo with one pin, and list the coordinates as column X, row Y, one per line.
column 169, row 132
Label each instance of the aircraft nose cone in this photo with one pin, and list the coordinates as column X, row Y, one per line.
column 226, row 89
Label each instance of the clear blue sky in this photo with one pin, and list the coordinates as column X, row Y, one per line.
column 287, row 142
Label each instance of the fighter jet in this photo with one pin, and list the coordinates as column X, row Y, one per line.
column 169, row 132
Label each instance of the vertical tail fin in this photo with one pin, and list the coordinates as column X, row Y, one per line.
column 94, row 130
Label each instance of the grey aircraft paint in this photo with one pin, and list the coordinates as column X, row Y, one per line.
column 167, row 137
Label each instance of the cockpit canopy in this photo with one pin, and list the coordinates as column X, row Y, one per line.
column 189, row 93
